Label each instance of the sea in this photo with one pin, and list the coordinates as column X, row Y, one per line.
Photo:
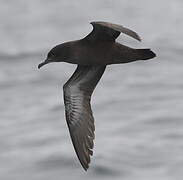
column 138, row 107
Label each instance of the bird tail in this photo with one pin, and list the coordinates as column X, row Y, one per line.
column 144, row 54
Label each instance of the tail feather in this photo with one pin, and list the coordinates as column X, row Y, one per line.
column 145, row 54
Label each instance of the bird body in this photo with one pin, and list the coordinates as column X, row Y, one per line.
column 92, row 54
column 87, row 53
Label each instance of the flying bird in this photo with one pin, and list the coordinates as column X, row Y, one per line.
column 92, row 54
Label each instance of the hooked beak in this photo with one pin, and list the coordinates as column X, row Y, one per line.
column 43, row 63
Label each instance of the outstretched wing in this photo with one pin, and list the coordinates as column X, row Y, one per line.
column 77, row 94
column 109, row 31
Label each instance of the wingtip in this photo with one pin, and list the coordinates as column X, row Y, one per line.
column 137, row 37
column 85, row 169
column 134, row 34
column 85, row 166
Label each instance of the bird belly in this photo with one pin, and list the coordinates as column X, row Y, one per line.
column 97, row 54
column 103, row 53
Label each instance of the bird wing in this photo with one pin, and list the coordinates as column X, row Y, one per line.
column 77, row 94
column 108, row 31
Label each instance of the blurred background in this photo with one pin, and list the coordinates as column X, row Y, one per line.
column 137, row 106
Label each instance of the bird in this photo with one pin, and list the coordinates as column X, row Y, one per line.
column 91, row 54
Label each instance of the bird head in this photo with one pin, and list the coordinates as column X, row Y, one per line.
column 58, row 54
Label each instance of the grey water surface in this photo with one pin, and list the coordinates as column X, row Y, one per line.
column 138, row 107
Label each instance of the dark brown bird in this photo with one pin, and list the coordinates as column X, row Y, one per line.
column 91, row 54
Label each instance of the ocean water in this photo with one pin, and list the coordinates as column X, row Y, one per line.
column 138, row 107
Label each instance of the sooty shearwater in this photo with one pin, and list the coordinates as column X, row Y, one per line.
column 91, row 54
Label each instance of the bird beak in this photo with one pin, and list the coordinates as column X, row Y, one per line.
column 43, row 63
